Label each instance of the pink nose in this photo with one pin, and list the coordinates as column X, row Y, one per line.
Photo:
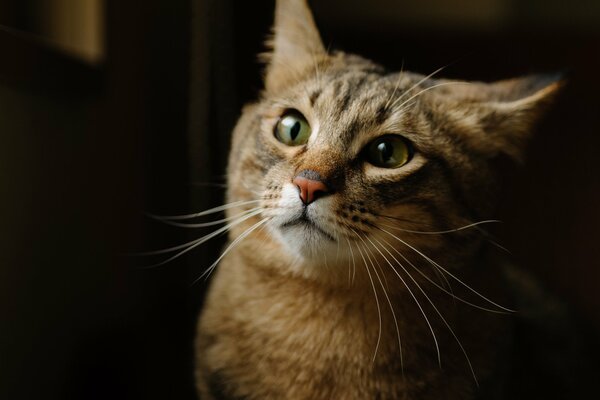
column 311, row 186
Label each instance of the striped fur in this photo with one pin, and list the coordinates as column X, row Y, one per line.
column 293, row 312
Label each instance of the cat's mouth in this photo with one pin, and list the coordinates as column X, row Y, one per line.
column 304, row 221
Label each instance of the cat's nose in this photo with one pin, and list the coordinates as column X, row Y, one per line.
column 311, row 185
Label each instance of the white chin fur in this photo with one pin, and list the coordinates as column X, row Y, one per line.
column 304, row 240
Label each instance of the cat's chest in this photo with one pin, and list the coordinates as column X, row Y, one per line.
column 286, row 341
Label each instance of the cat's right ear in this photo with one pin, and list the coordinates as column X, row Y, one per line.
column 295, row 46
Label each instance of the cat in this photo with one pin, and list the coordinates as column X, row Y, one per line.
column 357, row 267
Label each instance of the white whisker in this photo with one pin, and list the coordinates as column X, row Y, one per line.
column 428, row 89
column 376, row 298
column 435, row 270
column 424, row 275
column 441, row 317
column 353, row 261
column 390, row 304
column 378, row 265
column 231, row 246
column 446, row 271
column 417, row 84
column 206, row 212
column 197, row 242
column 461, row 228
column 437, row 346
column 206, row 224
column 400, row 75
column 493, row 242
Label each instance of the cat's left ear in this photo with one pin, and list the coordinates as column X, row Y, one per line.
column 499, row 117
column 296, row 44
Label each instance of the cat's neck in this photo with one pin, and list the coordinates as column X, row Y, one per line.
column 361, row 321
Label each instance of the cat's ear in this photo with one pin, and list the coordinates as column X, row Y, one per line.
column 295, row 46
column 499, row 117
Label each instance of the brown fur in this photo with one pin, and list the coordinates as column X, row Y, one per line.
column 295, row 315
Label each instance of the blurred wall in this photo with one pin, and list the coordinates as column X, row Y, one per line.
column 76, row 26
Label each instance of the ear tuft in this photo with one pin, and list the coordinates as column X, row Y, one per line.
column 295, row 44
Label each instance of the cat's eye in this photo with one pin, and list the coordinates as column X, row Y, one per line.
column 389, row 151
column 292, row 129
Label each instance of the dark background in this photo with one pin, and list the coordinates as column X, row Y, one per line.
column 87, row 147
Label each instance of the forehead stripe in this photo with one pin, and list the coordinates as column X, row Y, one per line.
column 314, row 96
column 352, row 88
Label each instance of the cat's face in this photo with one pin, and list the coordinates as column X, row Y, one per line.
column 343, row 156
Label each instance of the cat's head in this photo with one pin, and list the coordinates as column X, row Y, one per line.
column 345, row 159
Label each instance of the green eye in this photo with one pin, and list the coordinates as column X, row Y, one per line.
column 389, row 151
column 292, row 129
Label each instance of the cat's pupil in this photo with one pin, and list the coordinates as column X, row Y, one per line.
column 295, row 130
column 386, row 150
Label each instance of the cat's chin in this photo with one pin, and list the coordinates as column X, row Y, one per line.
column 307, row 240
column 307, row 230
